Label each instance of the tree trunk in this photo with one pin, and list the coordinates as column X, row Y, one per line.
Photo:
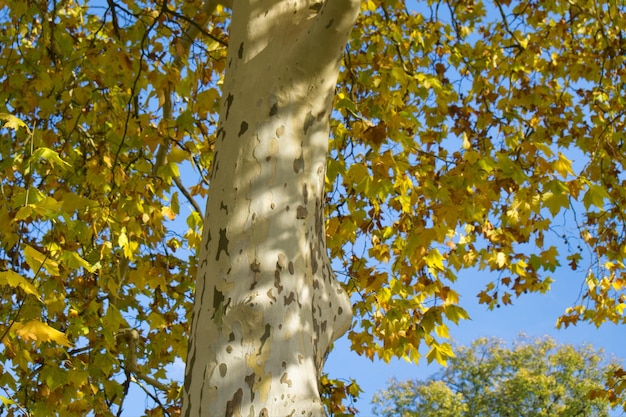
column 267, row 303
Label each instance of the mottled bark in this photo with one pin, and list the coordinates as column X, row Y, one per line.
column 267, row 303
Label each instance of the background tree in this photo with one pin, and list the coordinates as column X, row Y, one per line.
column 466, row 134
column 531, row 378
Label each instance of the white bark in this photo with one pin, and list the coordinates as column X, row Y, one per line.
column 267, row 303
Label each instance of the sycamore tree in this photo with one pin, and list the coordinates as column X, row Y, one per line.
column 355, row 157
column 532, row 378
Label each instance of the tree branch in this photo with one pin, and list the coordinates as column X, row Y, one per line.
column 188, row 196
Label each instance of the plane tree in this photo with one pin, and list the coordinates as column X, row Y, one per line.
column 355, row 158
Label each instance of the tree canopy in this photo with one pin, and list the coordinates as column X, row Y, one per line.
column 466, row 134
column 531, row 378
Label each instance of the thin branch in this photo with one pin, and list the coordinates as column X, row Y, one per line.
column 198, row 27
column 151, row 395
column 188, row 196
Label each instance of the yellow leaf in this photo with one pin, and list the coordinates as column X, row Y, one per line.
column 556, row 196
column 15, row 280
column 168, row 212
column 440, row 353
column 501, row 259
column 40, row 332
column 36, row 260
column 6, row 401
column 127, row 246
column 442, row 331
column 12, row 122
column 156, row 321
column 434, row 259
column 455, row 313
column 563, row 166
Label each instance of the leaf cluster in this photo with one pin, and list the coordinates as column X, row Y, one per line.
column 97, row 116
column 482, row 136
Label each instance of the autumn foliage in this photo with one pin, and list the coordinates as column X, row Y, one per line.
column 466, row 134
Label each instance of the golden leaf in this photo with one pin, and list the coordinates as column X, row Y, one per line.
column 40, row 332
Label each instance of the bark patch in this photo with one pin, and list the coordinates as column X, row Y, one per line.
column 290, row 299
column 301, row 212
column 277, row 284
column 229, row 102
column 298, row 164
column 218, row 306
column 243, row 129
column 250, row 382
column 274, row 109
column 285, row 380
column 208, row 240
column 234, row 406
column 281, row 263
column 222, row 245
column 308, row 122
column 266, row 335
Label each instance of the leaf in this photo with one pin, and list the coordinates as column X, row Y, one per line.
column 12, row 122
column 36, row 260
column 563, row 166
column 556, row 197
column 434, row 259
column 15, row 280
column 40, row 332
column 127, row 246
column 440, row 353
column 6, row 401
column 113, row 319
column 72, row 260
column 455, row 313
column 501, row 259
column 50, row 156
column 595, row 196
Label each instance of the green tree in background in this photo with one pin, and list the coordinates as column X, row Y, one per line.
column 533, row 378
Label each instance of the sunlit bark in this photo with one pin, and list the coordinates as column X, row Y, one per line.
column 267, row 303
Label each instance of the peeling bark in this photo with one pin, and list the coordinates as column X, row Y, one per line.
column 267, row 304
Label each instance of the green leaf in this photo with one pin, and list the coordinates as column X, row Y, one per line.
column 72, row 260
column 50, row 156
column 595, row 196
